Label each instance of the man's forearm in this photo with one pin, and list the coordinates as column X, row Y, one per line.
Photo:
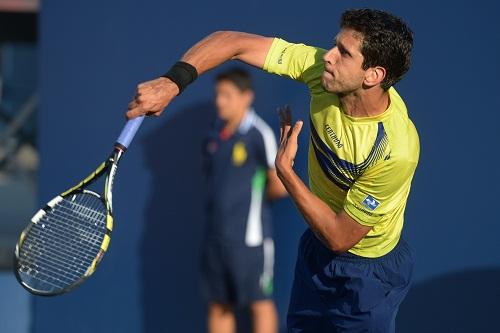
column 152, row 97
column 317, row 214
column 222, row 46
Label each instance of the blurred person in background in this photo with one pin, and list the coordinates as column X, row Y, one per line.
column 238, row 251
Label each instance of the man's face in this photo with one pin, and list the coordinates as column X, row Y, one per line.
column 343, row 72
column 230, row 101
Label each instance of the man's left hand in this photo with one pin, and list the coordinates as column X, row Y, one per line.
column 288, row 141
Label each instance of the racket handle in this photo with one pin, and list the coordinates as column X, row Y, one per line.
column 128, row 132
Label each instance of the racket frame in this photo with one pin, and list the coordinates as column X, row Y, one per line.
column 110, row 166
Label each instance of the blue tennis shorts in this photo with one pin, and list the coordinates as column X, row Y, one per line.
column 237, row 275
column 340, row 293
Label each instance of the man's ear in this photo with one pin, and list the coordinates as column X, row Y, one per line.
column 374, row 76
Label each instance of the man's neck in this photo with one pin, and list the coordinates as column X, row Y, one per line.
column 232, row 124
column 365, row 103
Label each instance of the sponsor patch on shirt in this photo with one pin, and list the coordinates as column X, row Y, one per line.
column 239, row 153
column 370, row 202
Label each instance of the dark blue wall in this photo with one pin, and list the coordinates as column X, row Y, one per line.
column 93, row 53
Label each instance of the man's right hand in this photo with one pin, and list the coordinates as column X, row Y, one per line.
column 152, row 97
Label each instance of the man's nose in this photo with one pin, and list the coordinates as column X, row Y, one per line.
column 328, row 57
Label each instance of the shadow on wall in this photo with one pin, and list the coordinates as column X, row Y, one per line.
column 170, row 248
column 461, row 302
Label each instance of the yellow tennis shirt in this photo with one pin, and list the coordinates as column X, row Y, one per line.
column 363, row 165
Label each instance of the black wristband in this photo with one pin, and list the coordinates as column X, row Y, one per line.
column 182, row 74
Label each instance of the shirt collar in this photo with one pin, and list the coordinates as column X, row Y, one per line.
column 247, row 121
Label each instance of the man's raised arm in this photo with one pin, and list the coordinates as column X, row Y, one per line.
column 152, row 97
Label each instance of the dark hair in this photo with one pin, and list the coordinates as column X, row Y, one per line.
column 239, row 77
column 386, row 41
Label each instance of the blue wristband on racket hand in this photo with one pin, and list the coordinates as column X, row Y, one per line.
column 182, row 74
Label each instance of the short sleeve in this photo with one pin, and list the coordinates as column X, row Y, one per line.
column 380, row 192
column 296, row 61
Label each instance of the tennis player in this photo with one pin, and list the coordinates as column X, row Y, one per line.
column 238, row 252
column 353, row 268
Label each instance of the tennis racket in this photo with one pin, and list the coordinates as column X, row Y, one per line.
column 67, row 239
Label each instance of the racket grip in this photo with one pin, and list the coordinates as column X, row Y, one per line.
column 128, row 132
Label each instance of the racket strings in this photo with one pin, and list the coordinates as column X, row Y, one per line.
column 69, row 239
column 73, row 224
column 58, row 261
column 58, row 250
column 58, row 254
column 87, row 212
column 53, row 268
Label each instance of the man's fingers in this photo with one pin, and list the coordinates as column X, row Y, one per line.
column 153, row 114
column 285, row 117
column 285, row 133
column 285, row 114
column 149, row 107
column 132, row 105
column 134, row 113
column 294, row 133
column 281, row 117
column 144, row 86
column 152, row 97
column 288, row 115
column 297, row 128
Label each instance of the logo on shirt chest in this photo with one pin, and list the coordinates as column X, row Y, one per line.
column 239, row 155
column 333, row 136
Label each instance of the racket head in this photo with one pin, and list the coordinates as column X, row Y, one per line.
column 63, row 244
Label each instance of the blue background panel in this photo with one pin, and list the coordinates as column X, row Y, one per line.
column 93, row 53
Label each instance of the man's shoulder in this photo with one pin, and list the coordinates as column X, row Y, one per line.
column 402, row 131
column 296, row 60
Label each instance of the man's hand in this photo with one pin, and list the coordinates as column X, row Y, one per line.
column 288, row 141
column 152, row 97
